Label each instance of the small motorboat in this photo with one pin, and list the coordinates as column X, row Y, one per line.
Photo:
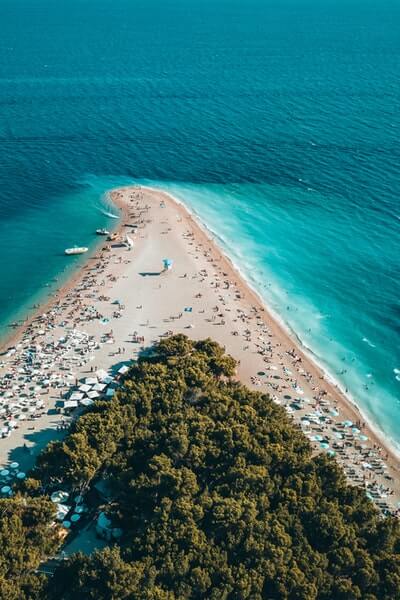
column 75, row 250
column 102, row 232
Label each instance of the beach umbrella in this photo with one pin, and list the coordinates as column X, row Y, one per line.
column 80, row 509
column 75, row 517
column 324, row 445
column 347, row 423
column 334, row 412
column 14, row 465
column 66, row 524
column 124, row 369
column 363, row 437
column 85, row 388
column 167, row 263
column 331, row 453
column 59, row 496
column 99, row 387
column 4, row 473
column 62, row 510
column 316, row 438
column 21, row 475
column 306, row 422
column 86, row 402
column 5, row 489
column 356, row 430
column 101, row 374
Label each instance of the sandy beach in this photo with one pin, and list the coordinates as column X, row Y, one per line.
column 122, row 301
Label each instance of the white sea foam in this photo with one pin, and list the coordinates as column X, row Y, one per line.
column 367, row 341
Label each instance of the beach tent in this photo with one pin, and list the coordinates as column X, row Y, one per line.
column 110, row 392
column 91, row 380
column 124, row 369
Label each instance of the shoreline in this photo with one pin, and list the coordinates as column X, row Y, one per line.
column 308, row 352
column 58, row 292
column 174, row 241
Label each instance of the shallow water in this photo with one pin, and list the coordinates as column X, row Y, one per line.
column 277, row 122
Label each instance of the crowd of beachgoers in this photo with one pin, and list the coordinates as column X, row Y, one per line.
column 73, row 353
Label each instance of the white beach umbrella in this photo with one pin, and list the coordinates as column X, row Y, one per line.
column 59, row 497
column 93, row 395
column 86, row 402
column 99, row 387
column 91, row 380
column 62, row 511
column 85, row 388
column 101, row 374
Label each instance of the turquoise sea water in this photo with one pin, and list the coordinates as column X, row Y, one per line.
column 276, row 122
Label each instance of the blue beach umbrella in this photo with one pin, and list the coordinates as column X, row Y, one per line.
column 363, row 437
column 347, row 423
column 316, row 438
column 331, row 453
column 167, row 262
column 324, row 445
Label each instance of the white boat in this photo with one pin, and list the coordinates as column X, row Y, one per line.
column 102, row 232
column 75, row 250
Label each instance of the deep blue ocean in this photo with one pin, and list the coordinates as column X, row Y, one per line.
column 278, row 122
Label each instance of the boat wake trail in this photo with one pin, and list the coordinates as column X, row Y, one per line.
column 108, row 214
